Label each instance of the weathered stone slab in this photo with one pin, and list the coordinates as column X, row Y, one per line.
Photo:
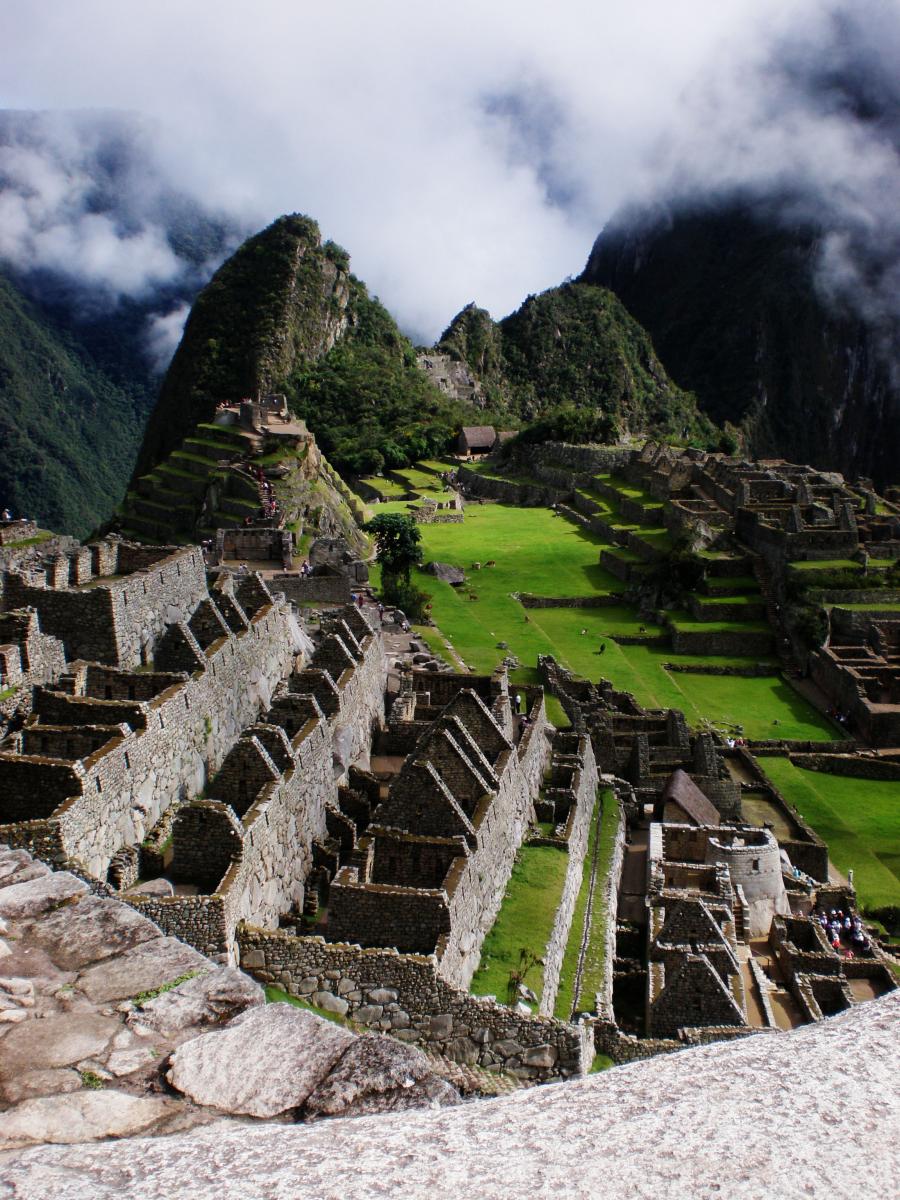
column 376, row 1075
column 92, row 930
column 37, row 896
column 267, row 1061
column 209, row 999
column 153, row 887
column 142, row 969
column 80, row 1117
column 55, row 1042
column 43, row 1082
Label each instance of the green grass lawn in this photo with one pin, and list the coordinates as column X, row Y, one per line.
column 743, row 599
column 525, row 921
column 386, row 487
column 871, row 607
column 418, row 479
column 858, row 818
column 546, row 555
column 595, row 953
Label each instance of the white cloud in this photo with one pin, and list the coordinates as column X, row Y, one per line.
column 464, row 152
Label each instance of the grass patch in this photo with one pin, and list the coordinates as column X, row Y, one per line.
column 275, row 995
column 43, row 536
column 857, row 818
column 143, row 997
column 548, row 556
column 524, row 922
column 91, row 1080
column 595, row 952
column 385, row 487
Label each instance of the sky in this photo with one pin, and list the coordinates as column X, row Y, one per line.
column 459, row 152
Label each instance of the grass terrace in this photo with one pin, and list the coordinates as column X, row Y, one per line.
column 686, row 623
column 385, row 487
column 601, row 843
column 418, row 479
column 858, row 818
column 540, row 553
column 524, row 922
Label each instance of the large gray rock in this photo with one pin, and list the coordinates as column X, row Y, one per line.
column 82, row 1117
column 742, row 1119
column 91, row 930
column 376, row 1075
column 37, row 896
column 55, row 1042
column 44, row 1082
column 148, row 966
column 446, row 572
column 266, row 1062
column 209, row 999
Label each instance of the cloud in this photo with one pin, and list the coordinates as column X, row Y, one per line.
column 163, row 333
column 470, row 152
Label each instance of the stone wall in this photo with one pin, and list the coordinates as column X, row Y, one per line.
column 741, row 644
column 405, row 995
column 488, row 487
column 256, row 868
column 113, row 797
column 313, row 589
column 111, row 619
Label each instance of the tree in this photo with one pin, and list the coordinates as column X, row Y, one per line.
column 398, row 541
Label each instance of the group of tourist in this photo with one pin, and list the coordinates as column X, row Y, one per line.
column 840, row 927
column 835, row 714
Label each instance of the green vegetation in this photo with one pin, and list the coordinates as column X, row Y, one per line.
column 545, row 555
column 602, row 841
column 91, row 1080
column 857, row 818
column 524, row 922
column 275, row 995
column 143, row 997
column 68, row 428
column 575, row 359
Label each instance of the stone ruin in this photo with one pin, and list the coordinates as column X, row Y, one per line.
column 700, row 891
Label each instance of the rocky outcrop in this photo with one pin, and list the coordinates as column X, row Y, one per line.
column 811, row 1113
column 98, row 1010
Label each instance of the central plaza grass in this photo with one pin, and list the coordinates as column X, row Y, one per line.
column 524, row 922
column 858, row 818
column 546, row 555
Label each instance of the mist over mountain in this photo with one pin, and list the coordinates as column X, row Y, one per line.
column 100, row 259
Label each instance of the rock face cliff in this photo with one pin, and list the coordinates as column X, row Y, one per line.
column 730, row 297
column 282, row 297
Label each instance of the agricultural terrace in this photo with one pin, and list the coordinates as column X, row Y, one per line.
column 858, row 820
column 538, row 552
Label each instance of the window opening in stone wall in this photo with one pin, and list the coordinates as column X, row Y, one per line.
column 107, row 692
column 99, row 785
column 756, row 864
column 127, row 762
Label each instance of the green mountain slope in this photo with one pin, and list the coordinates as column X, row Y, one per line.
column 573, row 347
column 284, row 314
column 729, row 297
column 68, row 431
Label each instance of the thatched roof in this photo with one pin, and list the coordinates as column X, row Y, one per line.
column 695, row 805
